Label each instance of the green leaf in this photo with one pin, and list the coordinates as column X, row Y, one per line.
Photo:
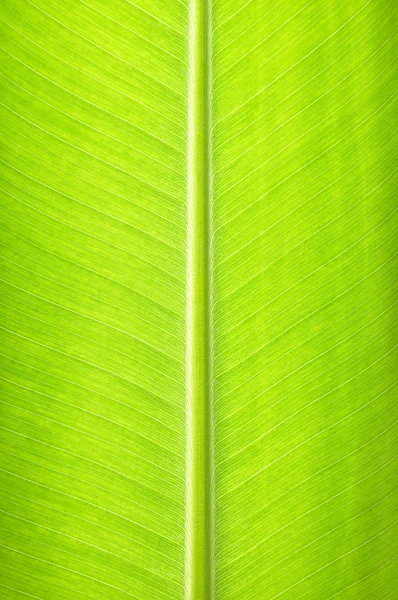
column 304, row 221
column 93, row 348
column 197, row 311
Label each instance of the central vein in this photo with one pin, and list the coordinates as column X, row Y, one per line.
column 199, row 562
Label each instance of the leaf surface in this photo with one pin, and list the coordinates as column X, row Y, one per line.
column 197, row 311
column 93, row 287
column 304, row 221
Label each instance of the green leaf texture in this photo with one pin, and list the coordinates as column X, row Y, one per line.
column 93, row 333
column 304, row 194
column 197, row 311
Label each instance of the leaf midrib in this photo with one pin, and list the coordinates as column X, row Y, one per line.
column 199, row 492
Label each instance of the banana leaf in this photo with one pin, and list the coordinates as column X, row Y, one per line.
column 198, row 300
